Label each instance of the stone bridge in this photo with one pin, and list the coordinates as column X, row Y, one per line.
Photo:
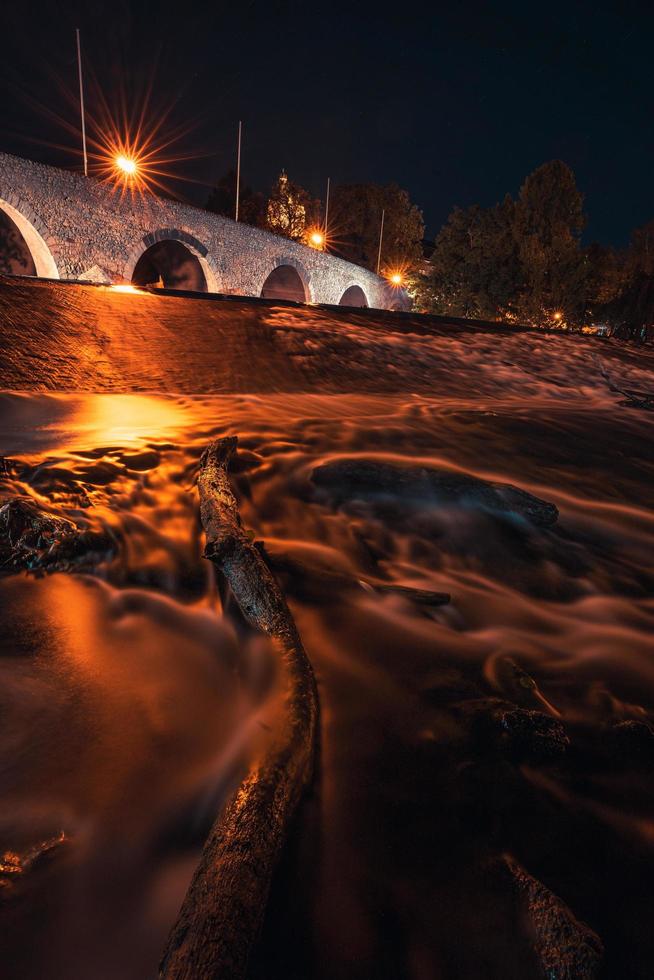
column 62, row 225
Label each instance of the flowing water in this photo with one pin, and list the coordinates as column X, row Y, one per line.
column 128, row 698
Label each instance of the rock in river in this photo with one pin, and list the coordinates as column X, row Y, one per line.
column 346, row 478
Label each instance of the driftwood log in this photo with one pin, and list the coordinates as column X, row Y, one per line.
column 223, row 910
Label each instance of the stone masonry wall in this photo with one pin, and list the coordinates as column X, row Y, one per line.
column 95, row 233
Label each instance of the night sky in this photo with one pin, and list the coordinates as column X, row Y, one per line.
column 457, row 104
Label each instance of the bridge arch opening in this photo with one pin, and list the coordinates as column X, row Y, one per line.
column 354, row 296
column 23, row 250
column 170, row 264
column 285, row 282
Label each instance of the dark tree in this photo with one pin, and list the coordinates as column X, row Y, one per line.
column 517, row 260
column 355, row 212
column 549, row 219
column 607, row 274
column 222, row 200
column 631, row 312
column 474, row 270
column 291, row 210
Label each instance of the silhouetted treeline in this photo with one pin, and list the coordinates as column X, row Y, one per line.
column 354, row 221
column 522, row 260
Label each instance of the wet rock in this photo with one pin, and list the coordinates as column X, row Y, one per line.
column 530, row 735
column 25, row 526
column 15, row 865
column 427, row 486
column 566, row 948
column 631, row 741
column 519, row 734
column 8, row 466
column 36, row 539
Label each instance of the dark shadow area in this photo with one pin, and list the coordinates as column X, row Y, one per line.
column 171, row 265
column 15, row 257
column 284, row 283
column 353, row 296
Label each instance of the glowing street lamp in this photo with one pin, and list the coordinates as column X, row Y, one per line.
column 396, row 279
column 316, row 238
column 126, row 165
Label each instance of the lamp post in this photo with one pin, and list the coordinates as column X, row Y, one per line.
column 381, row 238
column 81, row 102
column 238, row 170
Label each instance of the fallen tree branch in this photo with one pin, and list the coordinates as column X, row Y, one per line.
column 318, row 583
column 223, row 910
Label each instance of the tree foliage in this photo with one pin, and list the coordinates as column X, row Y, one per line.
column 222, row 200
column 548, row 222
column 290, row 209
column 631, row 311
column 355, row 212
column 473, row 269
column 520, row 259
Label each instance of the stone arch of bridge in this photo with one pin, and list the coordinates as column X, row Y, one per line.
column 275, row 270
column 33, row 233
column 182, row 237
column 354, row 295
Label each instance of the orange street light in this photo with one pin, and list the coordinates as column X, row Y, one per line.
column 316, row 238
column 127, row 165
column 396, row 278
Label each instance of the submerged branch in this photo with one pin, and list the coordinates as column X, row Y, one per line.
column 224, row 906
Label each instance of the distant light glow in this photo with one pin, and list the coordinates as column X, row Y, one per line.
column 558, row 315
column 124, row 287
column 126, row 164
column 396, row 278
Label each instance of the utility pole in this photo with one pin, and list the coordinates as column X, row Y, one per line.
column 81, row 103
column 326, row 211
column 381, row 237
column 238, row 170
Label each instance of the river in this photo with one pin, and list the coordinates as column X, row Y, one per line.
column 124, row 696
